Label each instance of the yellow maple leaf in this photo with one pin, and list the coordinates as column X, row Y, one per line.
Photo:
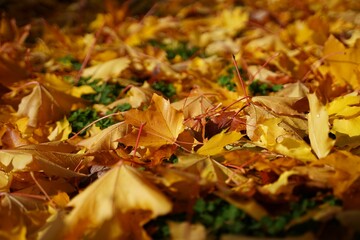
column 350, row 127
column 347, row 173
column 106, row 139
column 121, row 192
column 81, row 90
column 344, row 106
column 216, row 144
column 318, row 122
column 161, row 124
column 107, row 70
column 276, row 138
column 344, row 63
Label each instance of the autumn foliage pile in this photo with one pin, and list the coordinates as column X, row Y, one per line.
column 198, row 120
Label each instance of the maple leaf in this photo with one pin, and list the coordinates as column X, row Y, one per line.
column 161, row 123
column 273, row 133
column 207, row 169
column 346, row 177
column 17, row 225
column 194, row 105
column 320, row 141
column 280, row 105
column 136, row 96
column 44, row 104
column 344, row 106
column 217, row 143
column 106, row 139
column 43, row 158
column 343, row 62
column 350, row 127
column 107, row 70
column 122, row 193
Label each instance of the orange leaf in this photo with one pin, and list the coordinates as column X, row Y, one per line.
column 161, row 123
column 45, row 104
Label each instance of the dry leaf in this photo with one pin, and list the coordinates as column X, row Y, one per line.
column 44, row 105
column 121, row 192
column 51, row 162
column 107, row 70
column 106, row 139
column 318, row 119
column 161, row 123
column 343, row 62
column 215, row 145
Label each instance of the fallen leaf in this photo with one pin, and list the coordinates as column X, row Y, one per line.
column 61, row 131
column 343, row 62
column 121, row 192
column 185, row 230
column 280, row 105
column 346, row 173
column 44, row 105
column 215, row 145
column 350, row 127
column 106, row 139
column 320, row 141
column 161, row 123
column 272, row 136
column 107, row 70
column 344, row 106
column 208, row 169
column 51, row 162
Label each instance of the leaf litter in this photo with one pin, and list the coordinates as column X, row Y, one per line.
column 180, row 119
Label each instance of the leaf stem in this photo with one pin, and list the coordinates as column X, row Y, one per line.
column 242, row 84
column 138, row 138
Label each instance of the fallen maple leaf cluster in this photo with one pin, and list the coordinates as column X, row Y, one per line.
column 195, row 120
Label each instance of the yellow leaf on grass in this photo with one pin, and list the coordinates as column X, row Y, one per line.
column 121, row 192
column 81, row 90
column 107, row 70
column 350, row 127
column 318, row 122
column 161, row 123
column 217, row 143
